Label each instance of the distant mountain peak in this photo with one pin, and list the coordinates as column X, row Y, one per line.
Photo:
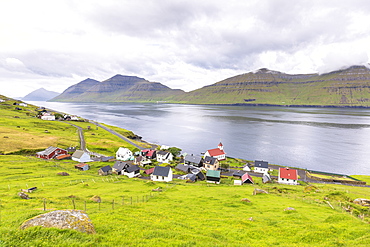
column 266, row 71
column 40, row 94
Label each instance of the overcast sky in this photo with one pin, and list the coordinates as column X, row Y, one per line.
column 182, row 44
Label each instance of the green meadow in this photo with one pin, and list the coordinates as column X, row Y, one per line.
column 183, row 214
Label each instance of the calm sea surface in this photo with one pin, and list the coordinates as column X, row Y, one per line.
column 324, row 139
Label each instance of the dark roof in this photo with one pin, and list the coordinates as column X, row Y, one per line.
column 261, row 164
column 106, row 158
column 132, row 168
column 106, row 169
column 200, row 176
column 161, row 171
column 191, row 177
column 238, row 173
column 161, row 152
column 209, row 160
column 193, row 159
column 119, row 165
column 181, row 167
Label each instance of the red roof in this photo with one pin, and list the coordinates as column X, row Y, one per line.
column 63, row 156
column 216, row 152
column 247, row 177
column 288, row 173
column 81, row 165
column 149, row 171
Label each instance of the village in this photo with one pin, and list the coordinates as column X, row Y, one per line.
column 188, row 166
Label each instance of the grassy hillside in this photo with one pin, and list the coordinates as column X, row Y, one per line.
column 350, row 87
column 183, row 214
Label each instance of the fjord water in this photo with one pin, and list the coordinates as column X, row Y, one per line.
column 324, row 139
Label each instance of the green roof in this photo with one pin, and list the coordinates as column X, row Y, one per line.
column 212, row 173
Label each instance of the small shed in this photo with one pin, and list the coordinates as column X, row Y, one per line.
column 149, row 171
column 266, row 178
column 81, row 156
column 161, row 173
column 213, row 176
column 246, row 168
column 82, row 167
column 106, row 170
column 247, row 179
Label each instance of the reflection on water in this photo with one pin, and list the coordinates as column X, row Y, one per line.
column 325, row 139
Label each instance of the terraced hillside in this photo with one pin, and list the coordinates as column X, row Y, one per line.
column 348, row 87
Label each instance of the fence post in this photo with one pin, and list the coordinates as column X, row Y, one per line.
column 73, row 203
column 113, row 204
column 44, row 204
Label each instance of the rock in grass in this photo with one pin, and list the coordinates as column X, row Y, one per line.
column 63, row 173
column 245, row 200
column 63, row 219
column 362, row 202
column 95, row 198
column 23, row 195
column 289, row 209
column 259, row 191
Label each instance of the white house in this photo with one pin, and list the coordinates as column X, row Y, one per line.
column 131, row 171
column 288, row 176
column 246, row 168
column 217, row 153
column 164, row 156
column 48, row 116
column 81, row 156
column 123, row 154
column 261, row 166
column 161, row 173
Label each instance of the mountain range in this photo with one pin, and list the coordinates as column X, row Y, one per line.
column 348, row 87
column 40, row 94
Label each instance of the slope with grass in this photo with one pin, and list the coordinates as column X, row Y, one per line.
column 184, row 214
column 345, row 88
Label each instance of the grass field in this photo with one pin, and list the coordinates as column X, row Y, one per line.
column 184, row 214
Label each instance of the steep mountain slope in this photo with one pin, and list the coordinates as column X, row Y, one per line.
column 119, row 88
column 348, row 87
column 40, row 94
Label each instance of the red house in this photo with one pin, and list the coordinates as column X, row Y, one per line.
column 50, row 153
